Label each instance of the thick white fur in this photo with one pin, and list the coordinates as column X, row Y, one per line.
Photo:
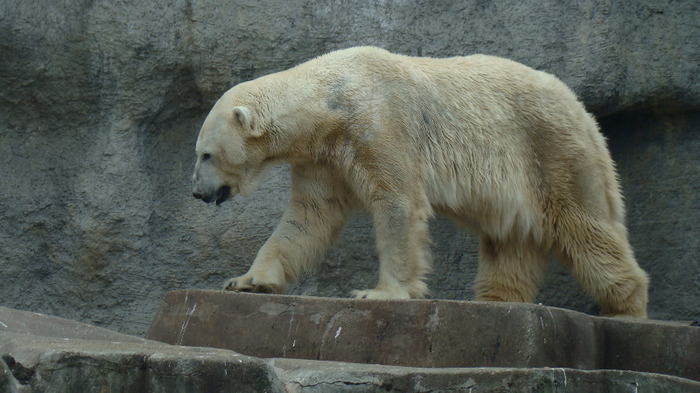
column 503, row 149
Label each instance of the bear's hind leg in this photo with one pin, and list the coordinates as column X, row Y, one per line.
column 509, row 271
column 602, row 261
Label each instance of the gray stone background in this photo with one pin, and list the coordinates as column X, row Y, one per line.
column 101, row 102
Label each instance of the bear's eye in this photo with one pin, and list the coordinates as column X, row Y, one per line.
column 206, row 156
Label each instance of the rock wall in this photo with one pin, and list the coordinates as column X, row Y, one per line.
column 101, row 102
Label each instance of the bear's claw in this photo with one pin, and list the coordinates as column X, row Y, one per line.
column 248, row 285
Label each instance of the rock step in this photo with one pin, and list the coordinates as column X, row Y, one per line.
column 424, row 333
column 41, row 353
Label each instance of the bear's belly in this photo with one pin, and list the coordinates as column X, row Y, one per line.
column 499, row 213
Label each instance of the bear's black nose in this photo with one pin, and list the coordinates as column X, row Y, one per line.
column 197, row 195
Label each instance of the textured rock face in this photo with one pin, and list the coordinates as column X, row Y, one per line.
column 100, row 104
column 47, row 354
column 423, row 333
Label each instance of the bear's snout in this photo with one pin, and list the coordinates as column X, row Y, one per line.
column 220, row 196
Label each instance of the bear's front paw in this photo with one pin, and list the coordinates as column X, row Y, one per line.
column 380, row 294
column 248, row 283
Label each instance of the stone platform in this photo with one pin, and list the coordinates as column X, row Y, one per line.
column 496, row 348
column 424, row 333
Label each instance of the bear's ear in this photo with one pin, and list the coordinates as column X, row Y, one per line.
column 244, row 118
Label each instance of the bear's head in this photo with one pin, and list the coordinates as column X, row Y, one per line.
column 231, row 157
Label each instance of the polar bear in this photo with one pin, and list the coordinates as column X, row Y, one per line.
column 506, row 151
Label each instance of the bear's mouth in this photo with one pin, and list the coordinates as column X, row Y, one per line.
column 222, row 194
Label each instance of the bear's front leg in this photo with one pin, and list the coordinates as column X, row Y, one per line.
column 313, row 220
column 403, row 240
column 265, row 276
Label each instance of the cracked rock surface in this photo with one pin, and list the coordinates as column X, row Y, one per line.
column 42, row 353
column 48, row 354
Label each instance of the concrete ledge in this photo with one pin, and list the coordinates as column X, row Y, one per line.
column 41, row 353
column 47, row 354
column 324, row 377
column 424, row 333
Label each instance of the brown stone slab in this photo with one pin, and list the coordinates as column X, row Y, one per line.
column 40, row 353
column 423, row 333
